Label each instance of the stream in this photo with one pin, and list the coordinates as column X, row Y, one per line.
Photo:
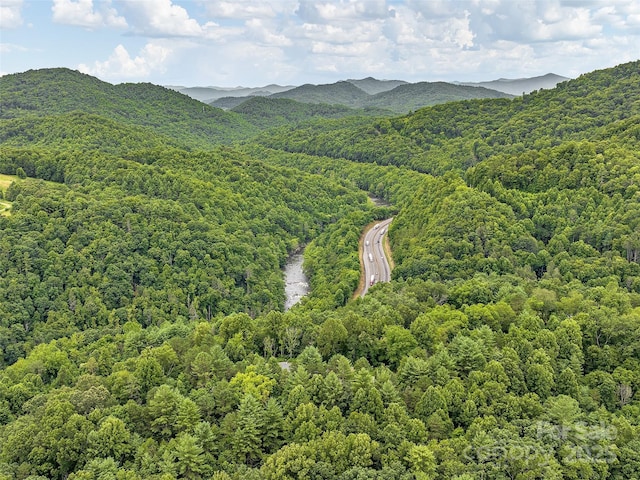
column 296, row 284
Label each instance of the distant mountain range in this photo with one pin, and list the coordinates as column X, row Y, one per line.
column 396, row 96
column 412, row 96
column 369, row 85
column 393, row 96
column 373, row 86
column 210, row 94
column 518, row 86
column 339, row 93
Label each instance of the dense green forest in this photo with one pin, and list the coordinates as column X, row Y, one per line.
column 272, row 112
column 455, row 136
column 41, row 93
column 141, row 292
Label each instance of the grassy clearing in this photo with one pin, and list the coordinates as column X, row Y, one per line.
column 5, row 181
column 5, row 208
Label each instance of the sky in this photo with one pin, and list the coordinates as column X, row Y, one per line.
column 253, row 43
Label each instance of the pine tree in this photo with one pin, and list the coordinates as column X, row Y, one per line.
column 247, row 442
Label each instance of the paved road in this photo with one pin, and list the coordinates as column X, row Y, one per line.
column 376, row 265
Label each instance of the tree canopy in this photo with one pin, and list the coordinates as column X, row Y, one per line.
column 142, row 331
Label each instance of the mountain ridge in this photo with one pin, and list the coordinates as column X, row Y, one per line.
column 58, row 91
column 373, row 86
column 401, row 98
column 518, row 86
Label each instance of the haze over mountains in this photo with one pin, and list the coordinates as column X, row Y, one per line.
column 518, row 86
column 210, row 94
column 401, row 99
column 397, row 96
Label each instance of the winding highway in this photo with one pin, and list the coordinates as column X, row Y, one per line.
column 373, row 257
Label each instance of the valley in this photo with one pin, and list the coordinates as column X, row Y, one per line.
column 296, row 282
column 376, row 266
column 145, row 331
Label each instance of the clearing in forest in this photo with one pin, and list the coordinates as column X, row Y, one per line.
column 5, row 181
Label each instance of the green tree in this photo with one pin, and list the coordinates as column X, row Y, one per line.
column 112, row 439
column 189, row 458
column 422, row 462
column 397, row 342
column 247, row 442
column 163, row 409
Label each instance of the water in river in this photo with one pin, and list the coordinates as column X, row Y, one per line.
column 296, row 284
column 379, row 202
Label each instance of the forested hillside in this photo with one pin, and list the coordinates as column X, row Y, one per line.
column 267, row 113
column 55, row 91
column 141, row 290
column 339, row 93
column 373, row 86
column 458, row 135
column 373, row 95
column 406, row 98
column 518, row 86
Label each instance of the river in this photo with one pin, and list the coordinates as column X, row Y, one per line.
column 296, row 284
column 379, row 202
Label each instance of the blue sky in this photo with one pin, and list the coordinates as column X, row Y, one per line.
column 291, row 42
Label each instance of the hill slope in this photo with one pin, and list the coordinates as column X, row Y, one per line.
column 400, row 99
column 271, row 112
column 82, row 131
column 458, row 135
column 518, row 86
column 56, row 91
column 409, row 97
column 210, row 94
column 372, row 85
column 342, row 93
column 227, row 103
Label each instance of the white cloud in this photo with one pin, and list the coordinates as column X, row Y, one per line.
column 460, row 33
column 574, row 24
column 161, row 18
column 243, row 9
column 243, row 63
column 344, row 50
column 434, row 9
column 120, row 65
column 522, row 22
column 10, row 13
column 260, row 31
column 411, row 28
column 338, row 34
column 232, row 42
column 312, row 11
column 82, row 13
column 10, row 48
column 621, row 14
